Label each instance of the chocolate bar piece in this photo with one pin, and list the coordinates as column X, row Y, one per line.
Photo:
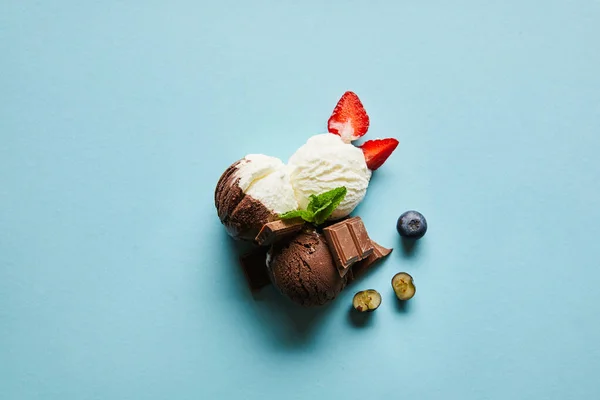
column 254, row 265
column 360, row 237
column 349, row 242
column 379, row 252
column 273, row 231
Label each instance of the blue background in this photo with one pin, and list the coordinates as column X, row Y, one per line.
column 117, row 118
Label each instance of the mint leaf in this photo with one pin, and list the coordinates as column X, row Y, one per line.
column 324, row 213
column 334, row 195
column 305, row 215
column 328, row 202
column 319, row 207
column 313, row 204
column 321, row 214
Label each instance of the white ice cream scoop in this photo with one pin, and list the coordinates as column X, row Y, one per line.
column 267, row 180
column 252, row 192
column 324, row 163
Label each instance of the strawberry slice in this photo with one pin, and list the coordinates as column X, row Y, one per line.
column 349, row 118
column 377, row 151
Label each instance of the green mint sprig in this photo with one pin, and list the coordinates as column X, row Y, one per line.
column 320, row 207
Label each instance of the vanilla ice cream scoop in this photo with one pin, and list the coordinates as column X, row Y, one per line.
column 324, row 163
column 267, row 180
column 252, row 192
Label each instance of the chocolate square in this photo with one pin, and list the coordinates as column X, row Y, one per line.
column 361, row 237
column 340, row 241
column 379, row 253
column 276, row 230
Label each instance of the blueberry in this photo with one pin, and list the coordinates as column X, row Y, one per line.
column 366, row 300
column 412, row 224
column 404, row 286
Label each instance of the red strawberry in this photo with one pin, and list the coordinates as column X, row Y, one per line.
column 349, row 118
column 377, row 151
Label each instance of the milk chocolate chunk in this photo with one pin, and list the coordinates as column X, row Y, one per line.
column 360, row 237
column 254, row 265
column 379, row 253
column 277, row 230
column 349, row 242
column 341, row 245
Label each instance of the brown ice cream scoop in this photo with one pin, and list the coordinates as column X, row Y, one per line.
column 241, row 214
column 302, row 268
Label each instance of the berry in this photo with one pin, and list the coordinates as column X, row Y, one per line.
column 403, row 286
column 366, row 300
column 377, row 151
column 412, row 224
column 349, row 118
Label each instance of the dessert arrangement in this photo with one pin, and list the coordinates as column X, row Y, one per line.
column 297, row 214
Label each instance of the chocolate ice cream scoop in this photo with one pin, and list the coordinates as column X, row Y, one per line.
column 303, row 269
column 251, row 193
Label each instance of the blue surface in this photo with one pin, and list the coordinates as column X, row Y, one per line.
column 117, row 118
